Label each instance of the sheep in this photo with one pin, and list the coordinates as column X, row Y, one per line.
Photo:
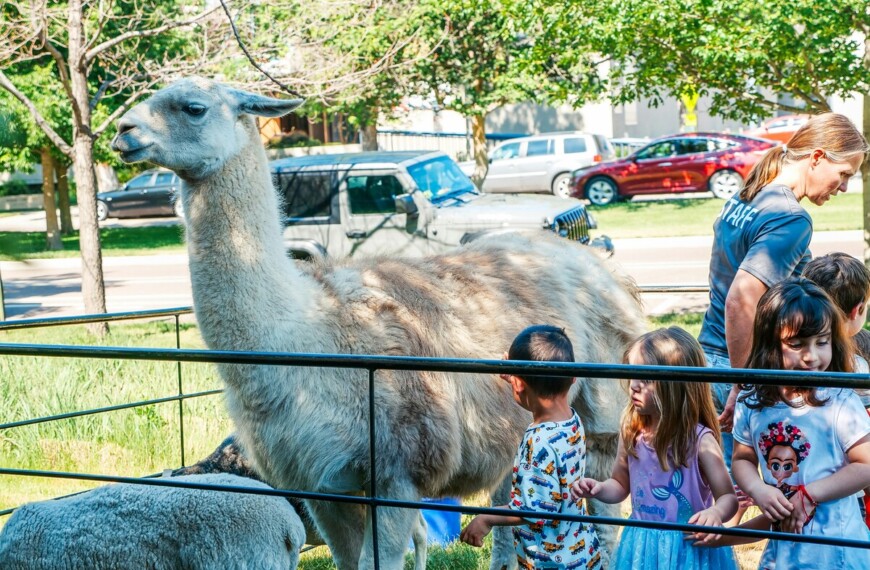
column 229, row 458
column 136, row 526
column 437, row 434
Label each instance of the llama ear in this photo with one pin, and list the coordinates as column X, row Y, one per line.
column 261, row 106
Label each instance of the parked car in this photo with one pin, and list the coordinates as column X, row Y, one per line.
column 152, row 193
column 691, row 162
column 409, row 203
column 541, row 163
column 780, row 128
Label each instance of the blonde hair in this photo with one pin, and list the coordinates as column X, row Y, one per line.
column 831, row 132
column 681, row 405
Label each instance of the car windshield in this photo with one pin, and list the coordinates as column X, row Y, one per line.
column 439, row 178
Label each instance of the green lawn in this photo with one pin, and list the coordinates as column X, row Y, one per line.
column 115, row 241
column 695, row 216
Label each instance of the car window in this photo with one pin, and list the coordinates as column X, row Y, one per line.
column 374, row 194
column 574, row 144
column 604, row 147
column 540, row 147
column 164, row 179
column 722, row 144
column 440, row 177
column 140, row 181
column 503, row 152
column 695, row 145
column 306, row 195
column 658, row 150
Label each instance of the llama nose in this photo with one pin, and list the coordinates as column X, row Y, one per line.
column 125, row 126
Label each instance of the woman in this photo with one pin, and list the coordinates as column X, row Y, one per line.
column 763, row 237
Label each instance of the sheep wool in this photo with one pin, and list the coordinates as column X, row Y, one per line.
column 155, row 528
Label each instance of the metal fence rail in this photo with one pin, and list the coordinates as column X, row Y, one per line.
column 374, row 363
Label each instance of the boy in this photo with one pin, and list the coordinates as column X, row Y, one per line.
column 551, row 455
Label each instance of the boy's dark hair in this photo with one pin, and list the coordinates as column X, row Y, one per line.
column 844, row 278
column 544, row 343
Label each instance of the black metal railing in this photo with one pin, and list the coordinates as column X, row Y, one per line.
column 372, row 364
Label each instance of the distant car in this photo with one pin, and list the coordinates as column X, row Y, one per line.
column 541, row 163
column 625, row 146
column 152, row 193
column 780, row 128
column 691, row 162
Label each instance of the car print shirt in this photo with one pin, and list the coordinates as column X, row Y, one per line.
column 550, row 457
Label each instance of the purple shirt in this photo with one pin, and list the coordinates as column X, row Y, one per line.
column 669, row 496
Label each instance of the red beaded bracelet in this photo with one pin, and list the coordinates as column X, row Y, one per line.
column 803, row 490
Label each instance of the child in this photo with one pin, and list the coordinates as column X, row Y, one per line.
column 813, row 444
column 553, row 449
column 669, row 460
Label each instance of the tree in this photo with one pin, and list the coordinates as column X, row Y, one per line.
column 103, row 57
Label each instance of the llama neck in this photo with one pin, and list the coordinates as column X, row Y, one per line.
column 241, row 276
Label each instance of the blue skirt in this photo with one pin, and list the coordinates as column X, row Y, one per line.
column 652, row 549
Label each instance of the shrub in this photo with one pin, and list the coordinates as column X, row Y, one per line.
column 16, row 187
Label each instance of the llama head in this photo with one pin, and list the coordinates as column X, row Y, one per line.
column 194, row 126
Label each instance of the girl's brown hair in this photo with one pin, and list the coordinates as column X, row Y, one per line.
column 681, row 405
column 831, row 132
column 796, row 307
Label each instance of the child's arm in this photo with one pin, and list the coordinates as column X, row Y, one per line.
column 847, row 481
column 481, row 525
column 758, row 523
column 770, row 500
column 713, row 469
column 613, row 490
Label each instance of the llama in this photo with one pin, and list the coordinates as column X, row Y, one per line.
column 136, row 526
column 437, row 434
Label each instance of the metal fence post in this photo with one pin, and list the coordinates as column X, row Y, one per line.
column 373, row 487
column 180, row 390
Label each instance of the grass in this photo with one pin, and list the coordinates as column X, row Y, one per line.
column 695, row 216
column 146, row 440
column 115, row 241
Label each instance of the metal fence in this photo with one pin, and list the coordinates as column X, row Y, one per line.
column 372, row 364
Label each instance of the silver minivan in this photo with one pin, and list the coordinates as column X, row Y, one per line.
column 542, row 163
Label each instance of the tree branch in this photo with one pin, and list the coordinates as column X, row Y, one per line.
column 59, row 61
column 97, row 50
column 125, row 106
column 37, row 116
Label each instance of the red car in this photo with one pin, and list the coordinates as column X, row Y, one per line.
column 690, row 162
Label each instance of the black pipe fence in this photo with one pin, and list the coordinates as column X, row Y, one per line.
column 372, row 364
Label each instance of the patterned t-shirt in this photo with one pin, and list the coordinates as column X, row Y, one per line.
column 550, row 457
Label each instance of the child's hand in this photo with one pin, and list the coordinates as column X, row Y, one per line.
column 584, row 487
column 803, row 509
column 707, row 517
column 773, row 503
column 476, row 531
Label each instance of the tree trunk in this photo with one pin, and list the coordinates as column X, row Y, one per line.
column 60, row 170
column 481, row 158
column 107, row 180
column 52, row 232
column 93, row 287
column 369, row 137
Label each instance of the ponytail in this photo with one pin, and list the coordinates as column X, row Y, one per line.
column 831, row 132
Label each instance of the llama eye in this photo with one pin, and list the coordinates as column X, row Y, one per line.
column 194, row 109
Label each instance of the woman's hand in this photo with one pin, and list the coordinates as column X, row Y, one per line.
column 584, row 488
column 476, row 531
column 772, row 503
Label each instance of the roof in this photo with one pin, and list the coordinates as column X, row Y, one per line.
column 350, row 159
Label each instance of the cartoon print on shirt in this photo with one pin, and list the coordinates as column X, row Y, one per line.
column 672, row 489
column 784, row 446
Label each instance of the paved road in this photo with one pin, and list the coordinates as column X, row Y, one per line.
column 44, row 288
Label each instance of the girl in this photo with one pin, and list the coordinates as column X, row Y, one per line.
column 812, row 444
column 669, row 460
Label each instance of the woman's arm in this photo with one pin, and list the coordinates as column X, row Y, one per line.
column 613, row 490
column 770, row 500
column 740, row 305
column 713, row 469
